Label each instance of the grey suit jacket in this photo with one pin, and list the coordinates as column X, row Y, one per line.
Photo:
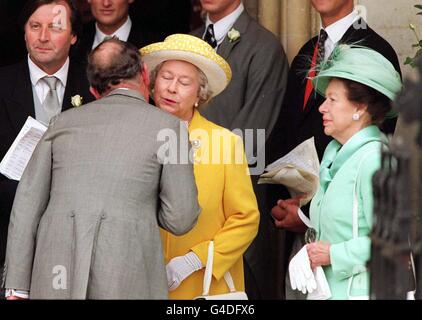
column 254, row 96
column 85, row 219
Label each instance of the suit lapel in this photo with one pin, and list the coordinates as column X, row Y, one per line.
column 72, row 87
column 21, row 102
column 199, row 32
column 240, row 25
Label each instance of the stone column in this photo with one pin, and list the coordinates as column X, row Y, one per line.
column 297, row 24
column 269, row 14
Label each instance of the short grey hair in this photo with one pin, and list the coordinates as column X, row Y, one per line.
column 205, row 92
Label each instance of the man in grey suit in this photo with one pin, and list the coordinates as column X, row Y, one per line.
column 252, row 100
column 85, row 220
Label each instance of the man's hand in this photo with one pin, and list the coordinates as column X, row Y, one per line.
column 12, row 294
column 15, row 298
column 286, row 217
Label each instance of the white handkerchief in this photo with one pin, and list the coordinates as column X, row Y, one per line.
column 322, row 291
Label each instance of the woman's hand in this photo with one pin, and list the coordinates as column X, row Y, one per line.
column 319, row 253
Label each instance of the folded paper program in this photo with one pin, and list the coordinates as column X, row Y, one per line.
column 19, row 153
column 298, row 171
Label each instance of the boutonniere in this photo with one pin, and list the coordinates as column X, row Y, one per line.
column 233, row 35
column 76, row 100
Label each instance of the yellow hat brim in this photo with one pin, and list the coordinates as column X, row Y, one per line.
column 193, row 50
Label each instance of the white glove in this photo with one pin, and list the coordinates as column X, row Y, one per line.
column 181, row 267
column 322, row 291
column 300, row 272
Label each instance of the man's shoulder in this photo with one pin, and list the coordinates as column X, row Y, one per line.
column 142, row 34
column 364, row 35
column 259, row 36
column 10, row 74
column 133, row 104
column 12, row 70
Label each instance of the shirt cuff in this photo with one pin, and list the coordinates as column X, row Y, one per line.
column 17, row 293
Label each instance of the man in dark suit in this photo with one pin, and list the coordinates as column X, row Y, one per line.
column 252, row 100
column 25, row 87
column 300, row 119
column 112, row 19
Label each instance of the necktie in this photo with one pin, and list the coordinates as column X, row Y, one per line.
column 51, row 103
column 210, row 37
column 110, row 37
column 318, row 56
column 321, row 45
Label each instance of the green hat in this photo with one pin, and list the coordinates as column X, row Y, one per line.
column 362, row 65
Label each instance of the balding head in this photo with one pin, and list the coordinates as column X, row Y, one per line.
column 112, row 64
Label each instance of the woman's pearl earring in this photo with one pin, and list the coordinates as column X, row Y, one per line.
column 196, row 104
column 356, row 116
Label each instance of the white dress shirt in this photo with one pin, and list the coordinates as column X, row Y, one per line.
column 122, row 33
column 41, row 88
column 337, row 30
column 223, row 26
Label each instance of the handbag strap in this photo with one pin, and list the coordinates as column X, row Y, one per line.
column 208, row 273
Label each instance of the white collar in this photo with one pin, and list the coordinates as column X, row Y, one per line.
column 223, row 26
column 36, row 73
column 122, row 33
column 337, row 30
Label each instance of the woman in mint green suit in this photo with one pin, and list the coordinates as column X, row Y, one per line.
column 359, row 85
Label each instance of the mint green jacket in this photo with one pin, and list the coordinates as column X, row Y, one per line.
column 331, row 209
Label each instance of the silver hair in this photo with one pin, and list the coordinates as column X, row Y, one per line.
column 204, row 94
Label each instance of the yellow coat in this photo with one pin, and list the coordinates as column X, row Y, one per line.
column 229, row 214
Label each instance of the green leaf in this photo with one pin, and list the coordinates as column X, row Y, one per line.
column 408, row 60
column 415, row 45
column 418, row 6
column 418, row 53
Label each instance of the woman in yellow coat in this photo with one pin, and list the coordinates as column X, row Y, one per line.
column 186, row 73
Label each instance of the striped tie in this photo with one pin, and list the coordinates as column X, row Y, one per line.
column 210, row 37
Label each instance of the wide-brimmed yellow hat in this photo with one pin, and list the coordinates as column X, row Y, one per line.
column 194, row 50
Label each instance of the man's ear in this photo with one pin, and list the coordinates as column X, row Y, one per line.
column 145, row 75
column 73, row 39
column 95, row 93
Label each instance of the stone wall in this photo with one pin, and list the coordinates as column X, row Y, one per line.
column 391, row 18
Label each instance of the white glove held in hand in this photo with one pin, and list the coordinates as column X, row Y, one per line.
column 179, row 268
column 301, row 276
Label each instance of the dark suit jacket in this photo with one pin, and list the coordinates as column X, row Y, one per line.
column 16, row 104
column 254, row 96
column 139, row 36
column 295, row 126
column 253, row 100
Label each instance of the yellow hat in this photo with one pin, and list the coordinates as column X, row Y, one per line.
column 193, row 50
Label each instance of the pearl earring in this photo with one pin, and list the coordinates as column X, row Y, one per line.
column 356, row 116
column 196, row 104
